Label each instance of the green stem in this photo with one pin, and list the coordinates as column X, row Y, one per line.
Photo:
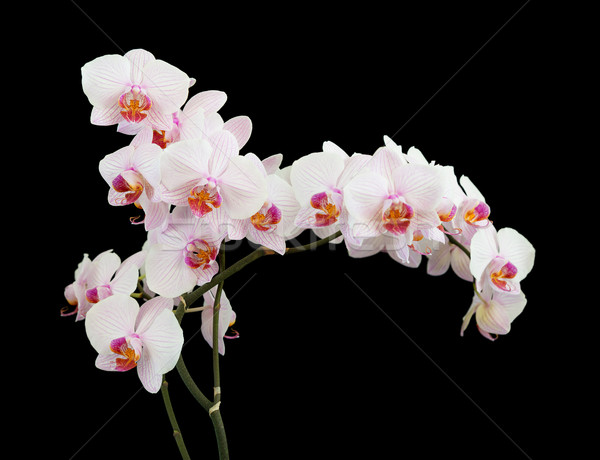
column 176, row 433
column 456, row 243
column 188, row 381
column 193, row 296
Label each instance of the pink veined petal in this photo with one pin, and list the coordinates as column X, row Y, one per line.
column 147, row 372
column 155, row 213
column 512, row 304
column 365, row 194
column 138, row 59
column 272, row 163
column 204, row 275
column 160, row 121
column 422, row 186
column 492, row 318
column 225, row 147
column 475, row 304
column 182, row 166
column 354, row 165
column 166, row 85
column 206, row 101
column 241, row 128
column 146, row 159
column 238, row 229
column 115, row 163
column 166, row 272
column 105, row 266
column 243, row 188
column 282, row 195
column 125, row 279
column 105, row 79
column 272, row 240
column 315, row 173
column 460, row 264
column 518, row 250
column 385, row 161
column 106, row 116
column 484, row 248
column 439, row 261
column 160, row 333
column 110, row 318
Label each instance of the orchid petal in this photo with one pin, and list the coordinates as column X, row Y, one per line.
column 243, row 188
column 315, row 173
column 518, row 250
column 105, row 79
column 365, row 194
column 241, row 128
column 166, row 272
column 206, row 101
column 484, row 248
column 166, row 85
column 110, row 318
column 421, row 185
column 225, row 147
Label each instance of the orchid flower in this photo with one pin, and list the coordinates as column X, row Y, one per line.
column 133, row 174
column 135, row 88
column 111, row 276
column 272, row 224
column 182, row 255
column 126, row 335
column 391, row 196
column 205, row 174
column 500, row 259
column 226, row 318
column 494, row 311
column 473, row 212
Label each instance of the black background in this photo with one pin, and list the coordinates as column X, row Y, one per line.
column 323, row 368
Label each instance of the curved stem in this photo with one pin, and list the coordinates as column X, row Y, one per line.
column 176, row 433
column 455, row 242
column 191, row 385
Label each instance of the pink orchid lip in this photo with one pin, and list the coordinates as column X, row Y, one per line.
column 125, row 347
column 135, row 104
column 131, row 184
column 204, row 198
column 396, row 218
column 478, row 215
column 200, row 254
column 267, row 218
column 502, row 272
column 330, row 211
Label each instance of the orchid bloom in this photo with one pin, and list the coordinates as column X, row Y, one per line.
column 111, row 276
column 271, row 225
column 182, row 255
column 318, row 181
column 205, row 174
column 135, row 88
column 391, row 196
column 500, row 259
column 126, row 335
column 226, row 318
column 473, row 212
column 75, row 292
column 494, row 312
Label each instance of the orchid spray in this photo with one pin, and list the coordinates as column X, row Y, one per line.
column 184, row 169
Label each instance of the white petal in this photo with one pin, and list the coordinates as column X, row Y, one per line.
column 315, row 173
column 150, row 378
column 109, row 319
column 483, row 249
column 147, row 162
column 160, row 332
column 167, row 273
column 241, row 128
column 365, row 194
column 207, row 102
column 105, row 79
column 518, row 250
column 115, row 163
column 243, row 188
column 421, row 185
column 225, row 147
column 166, row 85
column 138, row 59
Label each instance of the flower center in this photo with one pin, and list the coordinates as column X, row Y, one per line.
column 134, row 104
column 502, row 276
column 200, row 254
column 329, row 210
column 130, row 349
column 396, row 218
column 267, row 218
column 478, row 214
column 158, row 138
column 204, row 198
column 130, row 183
